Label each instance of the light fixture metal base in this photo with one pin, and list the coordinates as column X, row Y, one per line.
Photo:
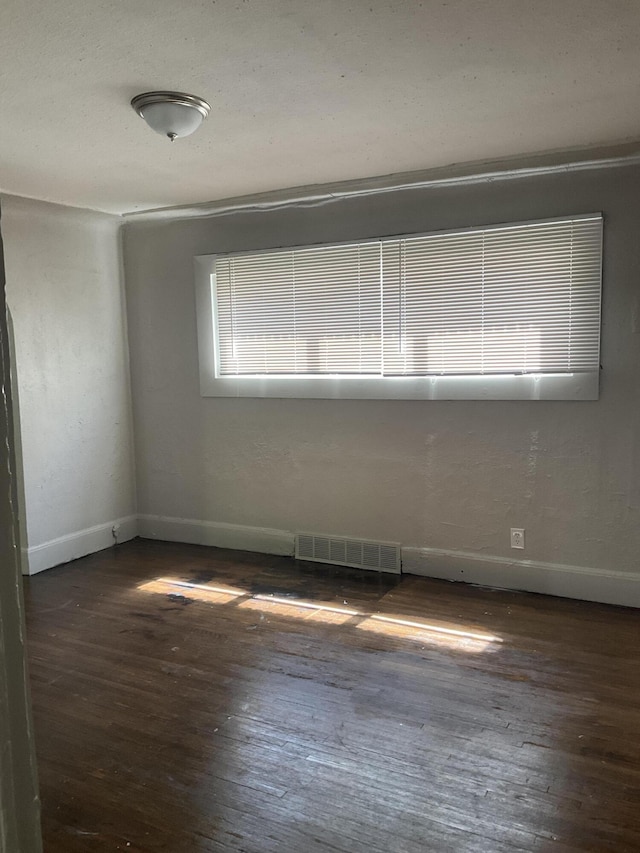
column 143, row 100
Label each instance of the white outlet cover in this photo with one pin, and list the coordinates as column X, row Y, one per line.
column 517, row 538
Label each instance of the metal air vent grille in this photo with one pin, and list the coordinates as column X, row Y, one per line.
column 358, row 553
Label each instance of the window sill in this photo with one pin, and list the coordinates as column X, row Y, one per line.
column 575, row 386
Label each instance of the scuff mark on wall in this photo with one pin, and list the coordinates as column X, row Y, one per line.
column 532, row 464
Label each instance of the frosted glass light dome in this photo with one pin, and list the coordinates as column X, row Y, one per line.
column 171, row 114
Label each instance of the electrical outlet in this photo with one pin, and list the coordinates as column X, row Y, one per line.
column 517, row 537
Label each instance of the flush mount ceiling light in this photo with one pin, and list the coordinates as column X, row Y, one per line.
column 171, row 113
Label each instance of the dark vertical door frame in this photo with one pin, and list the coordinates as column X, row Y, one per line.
column 19, row 803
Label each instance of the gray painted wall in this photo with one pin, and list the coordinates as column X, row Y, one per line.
column 449, row 475
column 19, row 805
column 64, row 288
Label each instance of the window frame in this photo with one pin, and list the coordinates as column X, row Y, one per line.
column 509, row 386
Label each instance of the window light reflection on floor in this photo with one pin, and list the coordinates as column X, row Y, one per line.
column 427, row 634
column 456, row 638
column 308, row 610
column 199, row 592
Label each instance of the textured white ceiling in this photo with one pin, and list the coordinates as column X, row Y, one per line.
column 302, row 91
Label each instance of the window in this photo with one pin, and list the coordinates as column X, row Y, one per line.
column 503, row 312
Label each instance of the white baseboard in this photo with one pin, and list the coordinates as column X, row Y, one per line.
column 264, row 540
column 587, row 584
column 78, row 544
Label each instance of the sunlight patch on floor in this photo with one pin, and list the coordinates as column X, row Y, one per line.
column 199, row 592
column 307, row 610
column 451, row 638
column 455, row 637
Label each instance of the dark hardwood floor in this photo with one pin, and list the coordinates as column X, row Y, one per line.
column 185, row 700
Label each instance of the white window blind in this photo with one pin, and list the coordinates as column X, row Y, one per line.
column 513, row 299
column 300, row 311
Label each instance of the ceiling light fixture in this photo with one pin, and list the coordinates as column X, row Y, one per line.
column 171, row 113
